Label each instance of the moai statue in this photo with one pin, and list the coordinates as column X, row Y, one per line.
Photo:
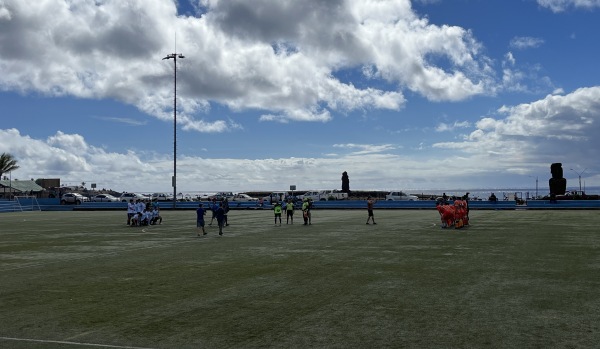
column 558, row 184
column 345, row 183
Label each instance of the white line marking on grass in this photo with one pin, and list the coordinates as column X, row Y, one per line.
column 70, row 343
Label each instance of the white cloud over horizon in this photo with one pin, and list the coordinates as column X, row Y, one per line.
column 524, row 138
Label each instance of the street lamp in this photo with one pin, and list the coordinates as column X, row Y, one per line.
column 536, row 186
column 579, row 174
column 174, row 56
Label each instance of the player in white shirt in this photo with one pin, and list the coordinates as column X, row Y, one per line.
column 131, row 210
column 140, row 206
column 135, row 219
column 156, row 217
column 145, row 217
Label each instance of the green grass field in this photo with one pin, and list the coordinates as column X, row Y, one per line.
column 513, row 279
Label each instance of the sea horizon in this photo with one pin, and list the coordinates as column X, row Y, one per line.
column 474, row 193
column 484, row 193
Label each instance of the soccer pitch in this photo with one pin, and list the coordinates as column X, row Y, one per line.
column 513, row 279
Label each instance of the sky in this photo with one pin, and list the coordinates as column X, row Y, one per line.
column 402, row 95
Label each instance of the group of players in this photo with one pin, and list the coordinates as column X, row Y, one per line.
column 289, row 211
column 219, row 212
column 142, row 213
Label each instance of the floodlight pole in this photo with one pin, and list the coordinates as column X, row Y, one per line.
column 579, row 174
column 174, row 180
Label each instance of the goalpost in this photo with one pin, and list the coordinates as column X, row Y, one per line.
column 28, row 203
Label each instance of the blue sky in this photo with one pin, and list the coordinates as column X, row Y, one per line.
column 430, row 94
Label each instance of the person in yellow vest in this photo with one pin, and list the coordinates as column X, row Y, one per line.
column 277, row 209
column 289, row 209
column 306, row 206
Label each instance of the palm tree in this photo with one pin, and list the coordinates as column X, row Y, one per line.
column 7, row 164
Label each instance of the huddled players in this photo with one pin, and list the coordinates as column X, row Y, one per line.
column 141, row 213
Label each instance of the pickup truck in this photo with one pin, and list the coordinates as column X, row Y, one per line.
column 325, row 195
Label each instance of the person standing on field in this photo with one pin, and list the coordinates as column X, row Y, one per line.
column 277, row 210
column 370, row 204
column 308, row 211
column 289, row 209
column 200, row 212
column 131, row 210
column 213, row 208
column 220, row 215
column 226, row 210
column 306, row 206
column 140, row 206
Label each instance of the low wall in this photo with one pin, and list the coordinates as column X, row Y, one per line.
column 345, row 204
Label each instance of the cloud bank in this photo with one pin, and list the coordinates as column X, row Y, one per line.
column 243, row 55
column 524, row 139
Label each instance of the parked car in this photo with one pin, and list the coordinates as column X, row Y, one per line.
column 400, row 196
column 125, row 197
column 243, row 197
column 277, row 196
column 222, row 195
column 73, row 198
column 162, row 197
column 104, row 198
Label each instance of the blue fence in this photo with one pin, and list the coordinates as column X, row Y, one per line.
column 54, row 205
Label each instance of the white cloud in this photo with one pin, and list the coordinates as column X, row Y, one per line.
column 444, row 127
column 558, row 128
column 563, row 5
column 369, row 167
column 523, row 78
column 524, row 42
column 366, row 148
column 127, row 121
column 273, row 60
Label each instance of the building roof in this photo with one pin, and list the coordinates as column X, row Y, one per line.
column 21, row 186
